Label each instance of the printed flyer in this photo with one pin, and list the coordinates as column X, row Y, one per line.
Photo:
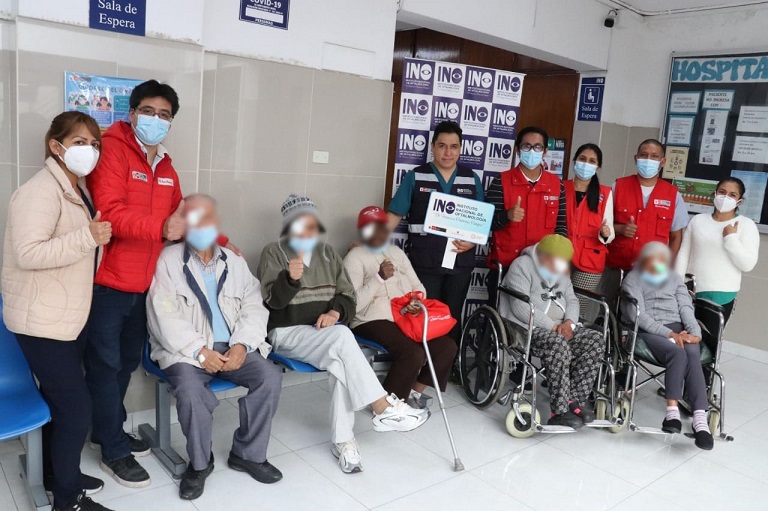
column 102, row 97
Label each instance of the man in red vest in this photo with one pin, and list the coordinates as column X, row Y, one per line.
column 529, row 202
column 645, row 208
column 137, row 189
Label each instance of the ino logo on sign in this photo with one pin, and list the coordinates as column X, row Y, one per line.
column 416, row 106
column 418, row 71
column 503, row 151
column 511, row 83
column 505, row 117
column 472, row 148
column 475, row 113
column 444, row 206
column 482, row 79
column 446, row 109
column 410, row 142
column 450, row 74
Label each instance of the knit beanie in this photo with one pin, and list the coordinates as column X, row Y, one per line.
column 557, row 246
column 295, row 206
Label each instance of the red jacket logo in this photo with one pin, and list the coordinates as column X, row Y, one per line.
column 139, row 175
column 661, row 203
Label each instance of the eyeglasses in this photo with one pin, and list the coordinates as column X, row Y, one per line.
column 538, row 148
column 148, row 110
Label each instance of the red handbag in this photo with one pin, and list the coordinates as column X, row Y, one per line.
column 440, row 320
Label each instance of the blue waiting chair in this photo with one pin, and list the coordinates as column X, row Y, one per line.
column 23, row 411
column 159, row 437
column 377, row 355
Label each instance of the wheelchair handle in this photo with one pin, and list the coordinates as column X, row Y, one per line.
column 628, row 297
column 515, row 294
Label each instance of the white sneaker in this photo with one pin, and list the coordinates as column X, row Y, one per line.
column 349, row 456
column 419, row 400
column 399, row 416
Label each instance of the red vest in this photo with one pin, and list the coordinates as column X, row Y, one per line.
column 584, row 230
column 540, row 202
column 654, row 221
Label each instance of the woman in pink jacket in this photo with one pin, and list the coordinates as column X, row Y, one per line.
column 49, row 258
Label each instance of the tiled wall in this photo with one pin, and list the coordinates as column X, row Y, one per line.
column 245, row 131
column 619, row 145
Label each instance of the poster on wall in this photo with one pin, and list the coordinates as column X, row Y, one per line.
column 270, row 13
column 677, row 159
column 698, row 194
column 554, row 160
column 104, row 98
column 485, row 102
column 717, row 109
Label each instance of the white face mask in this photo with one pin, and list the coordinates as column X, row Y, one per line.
column 80, row 159
column 725, row 204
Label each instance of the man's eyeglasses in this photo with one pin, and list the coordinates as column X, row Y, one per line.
column 148, row 110
column 538, row 148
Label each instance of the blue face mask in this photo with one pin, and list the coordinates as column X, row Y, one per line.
column 531, row 159
column 655, row 279
column 378, row 250
column 584, row 170
column 647, row 168
column 548, row 276
column 151, row 130
column 303, row 245
column 202, row 238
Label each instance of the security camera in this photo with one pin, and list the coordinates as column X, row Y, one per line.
column 610, row 20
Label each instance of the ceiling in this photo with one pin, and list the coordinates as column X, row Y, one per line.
column 660, row 6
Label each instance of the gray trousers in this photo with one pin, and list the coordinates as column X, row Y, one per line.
column 353, row 383
column 195, row 403
column 683, row 368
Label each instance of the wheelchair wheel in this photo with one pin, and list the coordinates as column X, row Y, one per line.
column 483, row 359
column 713, row 420
column 622, row 413
column 515, row 427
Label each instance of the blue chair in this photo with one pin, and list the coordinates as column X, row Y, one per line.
column 377, row 355
column 23, row 411
column 159, row 437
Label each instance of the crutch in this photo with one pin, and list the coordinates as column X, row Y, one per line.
column 458, row 466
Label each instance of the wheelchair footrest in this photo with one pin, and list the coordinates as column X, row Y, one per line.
column 600, row 424
column 648, row 431
column 545, row 428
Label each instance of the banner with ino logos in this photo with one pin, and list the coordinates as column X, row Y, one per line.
column 485, row 102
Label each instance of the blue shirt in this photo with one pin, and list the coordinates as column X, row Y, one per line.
column 220, row 329
column 401, row 202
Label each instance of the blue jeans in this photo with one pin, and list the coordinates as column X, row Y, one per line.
column 117, row 332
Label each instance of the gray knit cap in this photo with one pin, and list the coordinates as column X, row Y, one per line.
column 295, row 206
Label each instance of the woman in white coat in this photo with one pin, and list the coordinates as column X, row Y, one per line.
column 49, row 259
column 718, row 248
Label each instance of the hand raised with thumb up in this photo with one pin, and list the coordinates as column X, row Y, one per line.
column 296, row 267
column 517, row 213
column 174, row 226
column 605, row 230
column 630, row 228
column 101, row 231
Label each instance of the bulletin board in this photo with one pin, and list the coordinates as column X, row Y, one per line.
column 716, row 125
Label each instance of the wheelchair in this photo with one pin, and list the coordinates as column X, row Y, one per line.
column 492, row 347
column 633, row 355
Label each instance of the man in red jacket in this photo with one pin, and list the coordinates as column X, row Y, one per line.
column 136, row 189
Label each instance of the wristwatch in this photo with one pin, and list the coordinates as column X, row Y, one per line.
column 201, row 358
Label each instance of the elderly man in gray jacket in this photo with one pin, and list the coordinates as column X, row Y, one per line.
column 571, row 353
column 207, row 318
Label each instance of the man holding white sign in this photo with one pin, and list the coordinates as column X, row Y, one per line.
column 444, row 266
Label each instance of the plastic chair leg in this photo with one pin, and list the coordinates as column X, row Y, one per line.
column 31, row 465
column 159, row 437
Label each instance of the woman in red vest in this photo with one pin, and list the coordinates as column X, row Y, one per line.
column 589, row 210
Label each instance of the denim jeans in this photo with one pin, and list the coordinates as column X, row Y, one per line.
column 117, row 333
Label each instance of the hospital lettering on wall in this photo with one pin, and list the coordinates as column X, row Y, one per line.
column 722, row 70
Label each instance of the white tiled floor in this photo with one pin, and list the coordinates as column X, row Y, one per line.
column 589, row 470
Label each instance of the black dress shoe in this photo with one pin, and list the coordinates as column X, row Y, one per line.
column 263, row 472
column 193, row 481
column 566, row 419
column 703, row 440
column 91, row 484
column 672, row 426
column 583, row 412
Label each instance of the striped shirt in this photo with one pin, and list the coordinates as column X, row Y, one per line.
column 495, row 195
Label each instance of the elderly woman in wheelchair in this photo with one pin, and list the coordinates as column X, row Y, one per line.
column 571, row 354
column 658, row 302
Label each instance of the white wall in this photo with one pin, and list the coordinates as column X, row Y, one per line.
column 566, row 32
column 354, row 37
column 638, row 66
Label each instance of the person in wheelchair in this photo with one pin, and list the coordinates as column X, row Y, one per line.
column 668, row 326
column 380, row 272
column 570, row 353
